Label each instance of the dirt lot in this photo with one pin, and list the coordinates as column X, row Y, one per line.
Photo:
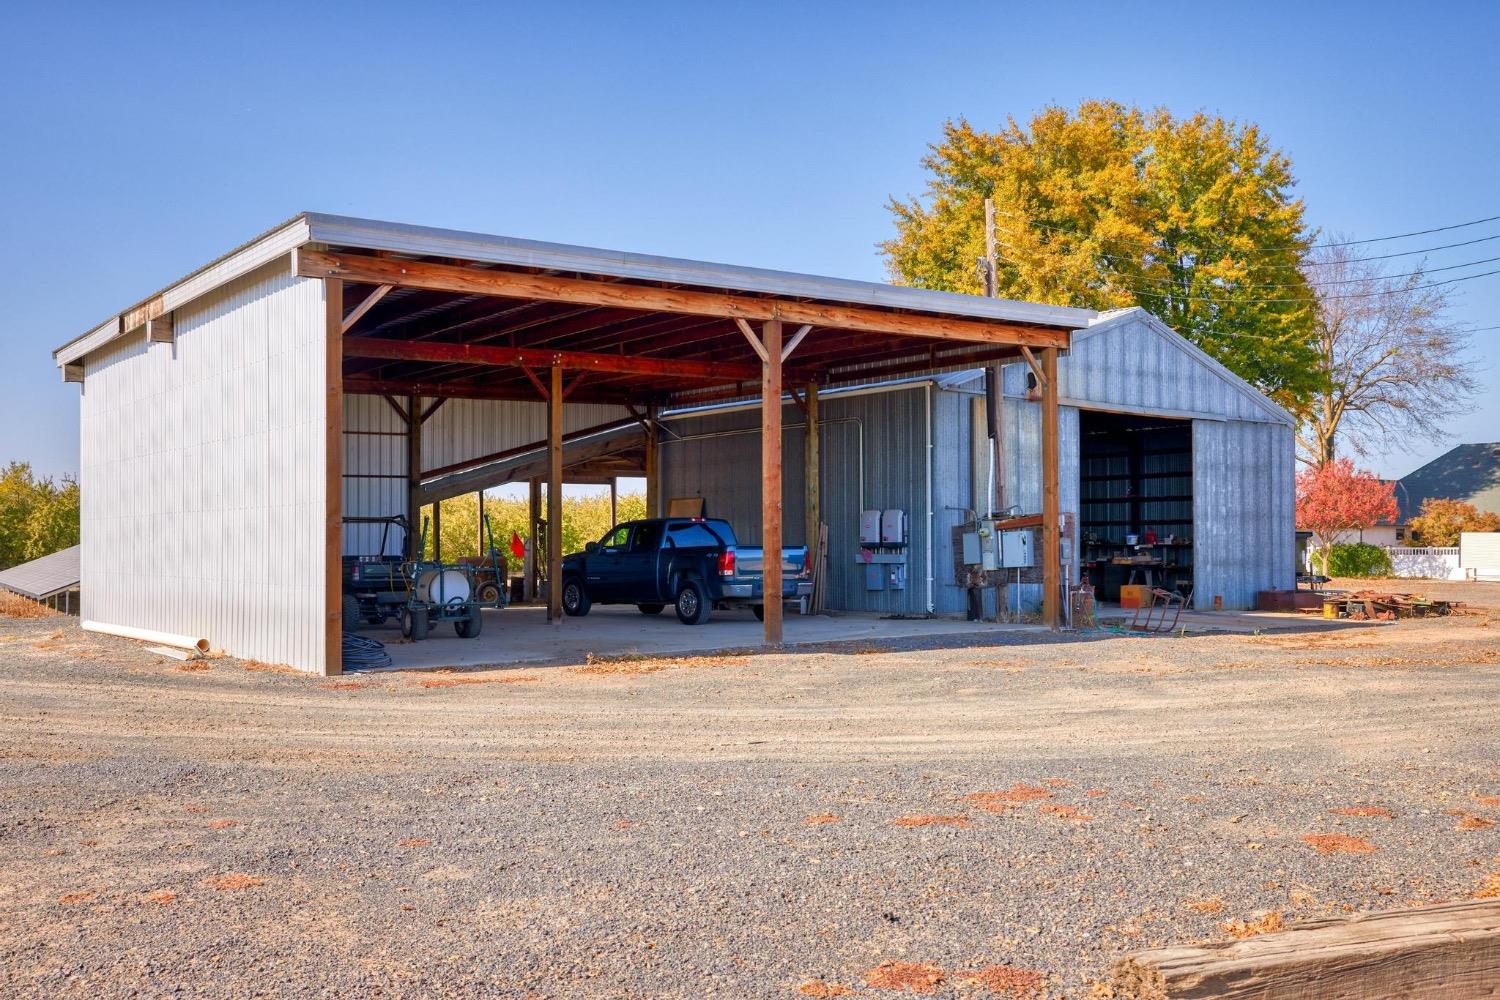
column 1002, row 820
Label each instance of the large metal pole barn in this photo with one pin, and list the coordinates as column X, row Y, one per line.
column 401, row 319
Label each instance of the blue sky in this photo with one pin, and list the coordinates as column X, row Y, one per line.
column 141, row 143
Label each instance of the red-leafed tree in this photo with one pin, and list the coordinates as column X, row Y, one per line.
column 1335, row 498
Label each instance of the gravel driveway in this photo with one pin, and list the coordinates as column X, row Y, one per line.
column 1000, row 820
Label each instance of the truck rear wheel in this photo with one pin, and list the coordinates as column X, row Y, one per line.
column 692, row 603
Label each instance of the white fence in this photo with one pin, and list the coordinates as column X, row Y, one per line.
column 1431, row 564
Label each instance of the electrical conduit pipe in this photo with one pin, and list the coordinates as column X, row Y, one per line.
column 148, row 635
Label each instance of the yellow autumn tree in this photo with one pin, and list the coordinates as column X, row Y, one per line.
column 1112, row 206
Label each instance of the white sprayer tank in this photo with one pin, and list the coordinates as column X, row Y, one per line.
column 448, row 586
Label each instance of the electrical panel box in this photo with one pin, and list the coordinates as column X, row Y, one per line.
column 1015, row 549
column 898, row 577
column 869, row 527
column 874, row 576
column 893, row 527
column 971, row 548
column 989, row 556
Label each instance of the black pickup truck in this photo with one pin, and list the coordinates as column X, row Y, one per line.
column 693, row 564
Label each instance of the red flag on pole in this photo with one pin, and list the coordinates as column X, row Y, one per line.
column 517, row 547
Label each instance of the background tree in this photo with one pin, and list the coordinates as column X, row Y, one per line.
column 38, row 515
column 1391, row 357
column 1335, row 498
column 1112, row 206
column 1441, row 522
column 585, row 519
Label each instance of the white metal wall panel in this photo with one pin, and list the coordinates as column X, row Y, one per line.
column 1480, row 551
column 374, row 472
column 472, row 428
column 202, row 467
column 1244, row 498
column 1021, row 424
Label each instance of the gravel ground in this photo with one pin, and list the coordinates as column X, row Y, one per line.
column 774, row 825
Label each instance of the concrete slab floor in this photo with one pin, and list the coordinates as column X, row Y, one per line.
column 521, row 634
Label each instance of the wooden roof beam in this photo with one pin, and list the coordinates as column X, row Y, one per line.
column 512, row 284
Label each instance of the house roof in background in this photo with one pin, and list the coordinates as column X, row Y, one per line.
column 41, row 578
column 1468, row 472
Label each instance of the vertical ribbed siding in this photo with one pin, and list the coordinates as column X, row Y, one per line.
column 472, row 428
column 374, row 472
column 716, row 457
column 202, row 470
column 1244, row 497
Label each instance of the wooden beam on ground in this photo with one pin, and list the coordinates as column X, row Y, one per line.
column 333, row 477
column 1051, row 506
column 770, row 478
column 1449, row 951
column 159, row 329
column 523, row 357
column 517, row 285
column 554, row 496
column 369, row 303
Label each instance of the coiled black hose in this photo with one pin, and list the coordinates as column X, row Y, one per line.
column 364, row 653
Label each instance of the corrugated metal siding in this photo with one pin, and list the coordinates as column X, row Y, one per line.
column 202, row 469
column 1244, row 496
column 873, row 455
column 471, row 428
column 374, row 472
column 1131, row 365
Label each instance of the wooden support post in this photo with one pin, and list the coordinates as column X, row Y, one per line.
column 1051, row 511
column 413, row 477
column 614, row 501
column 333, row 488
column 770, row 476
column 554, row 496
column 812, row 472
column 653, row 470
column 533, row 530
column 437, row 531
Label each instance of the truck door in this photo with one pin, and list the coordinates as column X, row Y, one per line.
column 602, row 577
column 637, row 581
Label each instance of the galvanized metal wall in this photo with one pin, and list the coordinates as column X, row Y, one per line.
column 202, row 467
column 1021, row 425
column 1244, row 499
column 874, row 454
column 374, row 472
column 472, row 428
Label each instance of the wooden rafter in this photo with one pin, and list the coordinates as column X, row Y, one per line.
column 358, row 311
column 478, row 354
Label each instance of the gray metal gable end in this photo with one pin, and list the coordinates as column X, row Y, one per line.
column 1114, row 320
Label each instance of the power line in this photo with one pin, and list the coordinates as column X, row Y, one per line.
column 1126, row 286
column 1265, row 250
column 1321, row 284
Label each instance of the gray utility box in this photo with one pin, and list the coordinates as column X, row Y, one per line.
column 1016, row 549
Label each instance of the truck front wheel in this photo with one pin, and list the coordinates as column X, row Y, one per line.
column 692, row 603
column 575, row 600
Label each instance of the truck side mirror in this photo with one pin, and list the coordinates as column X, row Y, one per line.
column 591, row 548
